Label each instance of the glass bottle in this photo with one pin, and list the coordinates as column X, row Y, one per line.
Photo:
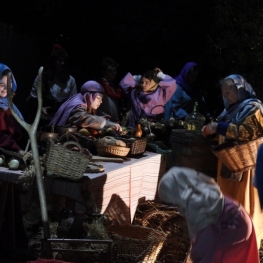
column 195, row 120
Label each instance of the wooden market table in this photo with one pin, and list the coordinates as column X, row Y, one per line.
column 114, row 192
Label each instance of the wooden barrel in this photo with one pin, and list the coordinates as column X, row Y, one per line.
column 191, row 149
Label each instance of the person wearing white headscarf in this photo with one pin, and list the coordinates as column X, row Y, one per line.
column 220, row 229
column 241, row 120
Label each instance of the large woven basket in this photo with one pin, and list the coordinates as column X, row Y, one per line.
column 132, row 243
column 137, row 145
column 107, row 150
column 64, row 162
column 177, row 243
column 240, row 157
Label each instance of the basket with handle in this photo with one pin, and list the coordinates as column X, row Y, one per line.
column 177, row 243
column 65, row 162
column 240, row 157
column 137, row 145
column 132, row 243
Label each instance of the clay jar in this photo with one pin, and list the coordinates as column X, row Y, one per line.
column 138, row 130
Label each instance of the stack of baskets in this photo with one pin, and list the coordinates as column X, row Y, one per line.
column 177, row 243
column 240, row 157
column 168, row 220
column 132, row 243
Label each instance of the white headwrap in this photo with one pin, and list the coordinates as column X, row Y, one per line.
column 197, row 196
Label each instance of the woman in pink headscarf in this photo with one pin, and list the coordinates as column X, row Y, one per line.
column 220, row 229
column 80, row 109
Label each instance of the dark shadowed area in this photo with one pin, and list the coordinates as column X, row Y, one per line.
column 223, row 38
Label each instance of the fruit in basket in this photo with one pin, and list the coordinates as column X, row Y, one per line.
column 111, row 141
column 93, row 132
column 109, row 131
column 84, row 132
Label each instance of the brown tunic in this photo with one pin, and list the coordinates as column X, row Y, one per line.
column 82, row 119
column 244, row 191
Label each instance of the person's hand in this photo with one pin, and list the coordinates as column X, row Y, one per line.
column 160, row 75
column 117, row 127
column 209, row 129
column 158, row 69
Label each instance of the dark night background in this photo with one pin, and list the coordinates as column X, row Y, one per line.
column 223, row 37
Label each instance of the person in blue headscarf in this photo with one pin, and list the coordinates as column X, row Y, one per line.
column 241, row 120
column 10, row 129
column 188, row 92
column 4, row 70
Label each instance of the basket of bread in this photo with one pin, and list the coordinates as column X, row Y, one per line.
column 110, row 146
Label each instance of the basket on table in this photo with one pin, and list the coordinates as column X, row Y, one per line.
column 65, row 162
column 110, row 146
column 137, row 145
column 109, row 150
column 240, row 157
column 87, row 142
column 132, row 243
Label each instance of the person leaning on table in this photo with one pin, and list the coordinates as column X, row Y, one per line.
column 80, row 109
column 242, row 119
column 220, row 229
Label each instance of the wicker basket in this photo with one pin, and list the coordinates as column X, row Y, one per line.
column 133, row 243
column 64, row 162
column 137, row 145
column 240, row 157
column 87, row 143
column 107, row 150
column 177, row 243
